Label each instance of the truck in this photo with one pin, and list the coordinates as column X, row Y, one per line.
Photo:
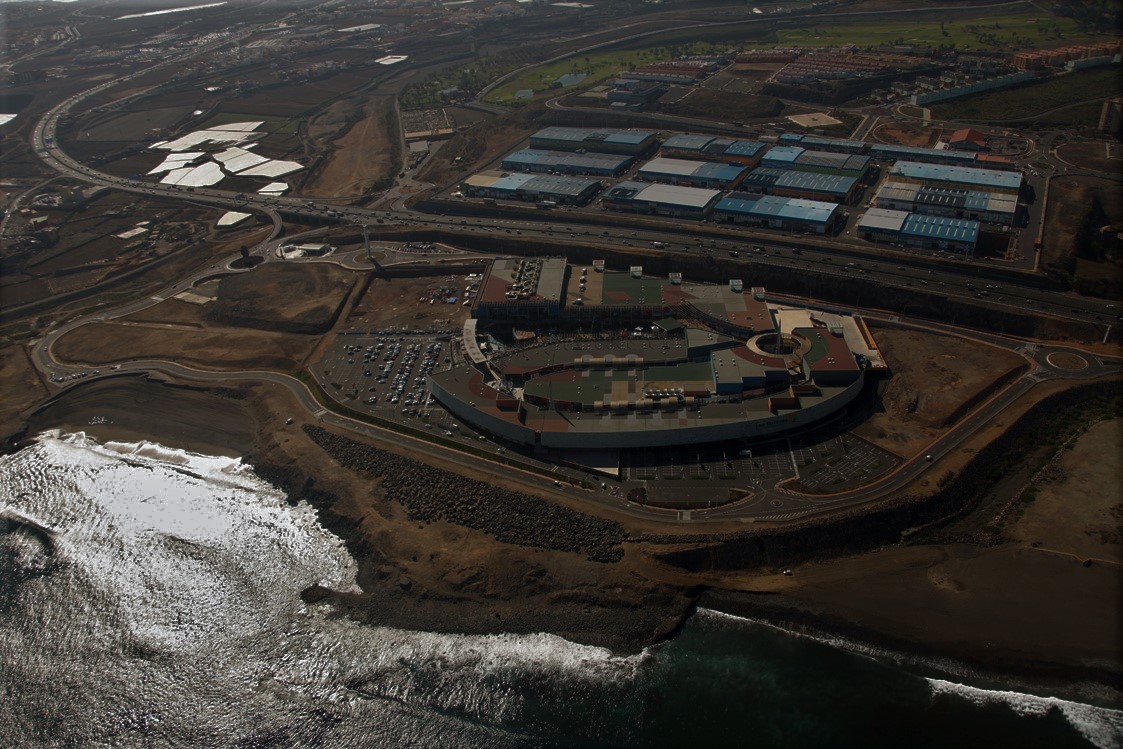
column 658, row 244
column 546, row 205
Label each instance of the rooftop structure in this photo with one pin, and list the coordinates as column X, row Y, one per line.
column 776, row 212
column 989, row 207
column 517, row 186
column 918, row 230
column 710, row 148
column 966, row 177
column 795, row 157
column 968, row 139
column 809, row 185
column 521, row 288
column 823, row 143
column 888, row 152
column 692, row 173
column 564, row 162
column 631, row 142
column 666, row 200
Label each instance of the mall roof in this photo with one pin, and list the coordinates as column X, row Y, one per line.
column 774, row 206
column 959, row 174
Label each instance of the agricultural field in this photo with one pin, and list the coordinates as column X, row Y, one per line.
column 1037, row 98
column 993, row 33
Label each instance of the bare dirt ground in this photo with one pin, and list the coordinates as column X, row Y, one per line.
column 933, row 376
column 477, row 145
column 359, row 157
column 903, row 134
column 397, row 302
column 20, row 387
column 216, row 348
column 277, row 296
column 1078, row 509
column 1102, row 156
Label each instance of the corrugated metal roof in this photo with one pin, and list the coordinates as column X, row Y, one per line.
column 774, row 206
column 559, row 185
column 690, row 197
column 783, row 154
column 958, row 174
column 941, row 227
column 884, row 149
column 833, row 184
column 540, row 157
column 582, row 135
column 883, row 219
column 686, row 169
column 688, row 142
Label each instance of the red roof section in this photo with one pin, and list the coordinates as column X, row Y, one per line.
column 968, row 135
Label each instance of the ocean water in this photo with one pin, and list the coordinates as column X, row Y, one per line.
column 151, row 598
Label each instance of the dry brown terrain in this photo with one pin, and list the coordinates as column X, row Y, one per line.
column 215, row 347
column 20, row 387
column 933, row 377
column 397, row 302
column 360, row 156
column 903, row 134
column 1078, row 509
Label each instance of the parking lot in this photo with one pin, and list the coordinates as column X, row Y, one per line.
column 822, row 461
column 383, row 372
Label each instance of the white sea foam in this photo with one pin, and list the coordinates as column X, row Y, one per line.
column 195, row 558
column 1103, row 727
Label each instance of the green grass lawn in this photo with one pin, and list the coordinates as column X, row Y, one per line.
column 1035, row 98
column 1008, row 33
column 597, row 66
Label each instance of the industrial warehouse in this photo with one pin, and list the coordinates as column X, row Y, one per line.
column 919, row 230
column 563, row 162
column 718, row 363
column 631, row 142
column 933, row 200
column 692, row 173
column 968, row 178
column 824, row 162
column 987, row 207
column 709, row 148
column 663, row 200
column 808, row 185
column 775, row 212
column 531, row 187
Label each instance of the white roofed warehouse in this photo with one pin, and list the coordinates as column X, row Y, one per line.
column 663, row 200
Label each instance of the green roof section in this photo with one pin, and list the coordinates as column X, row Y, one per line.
column 622, row 288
